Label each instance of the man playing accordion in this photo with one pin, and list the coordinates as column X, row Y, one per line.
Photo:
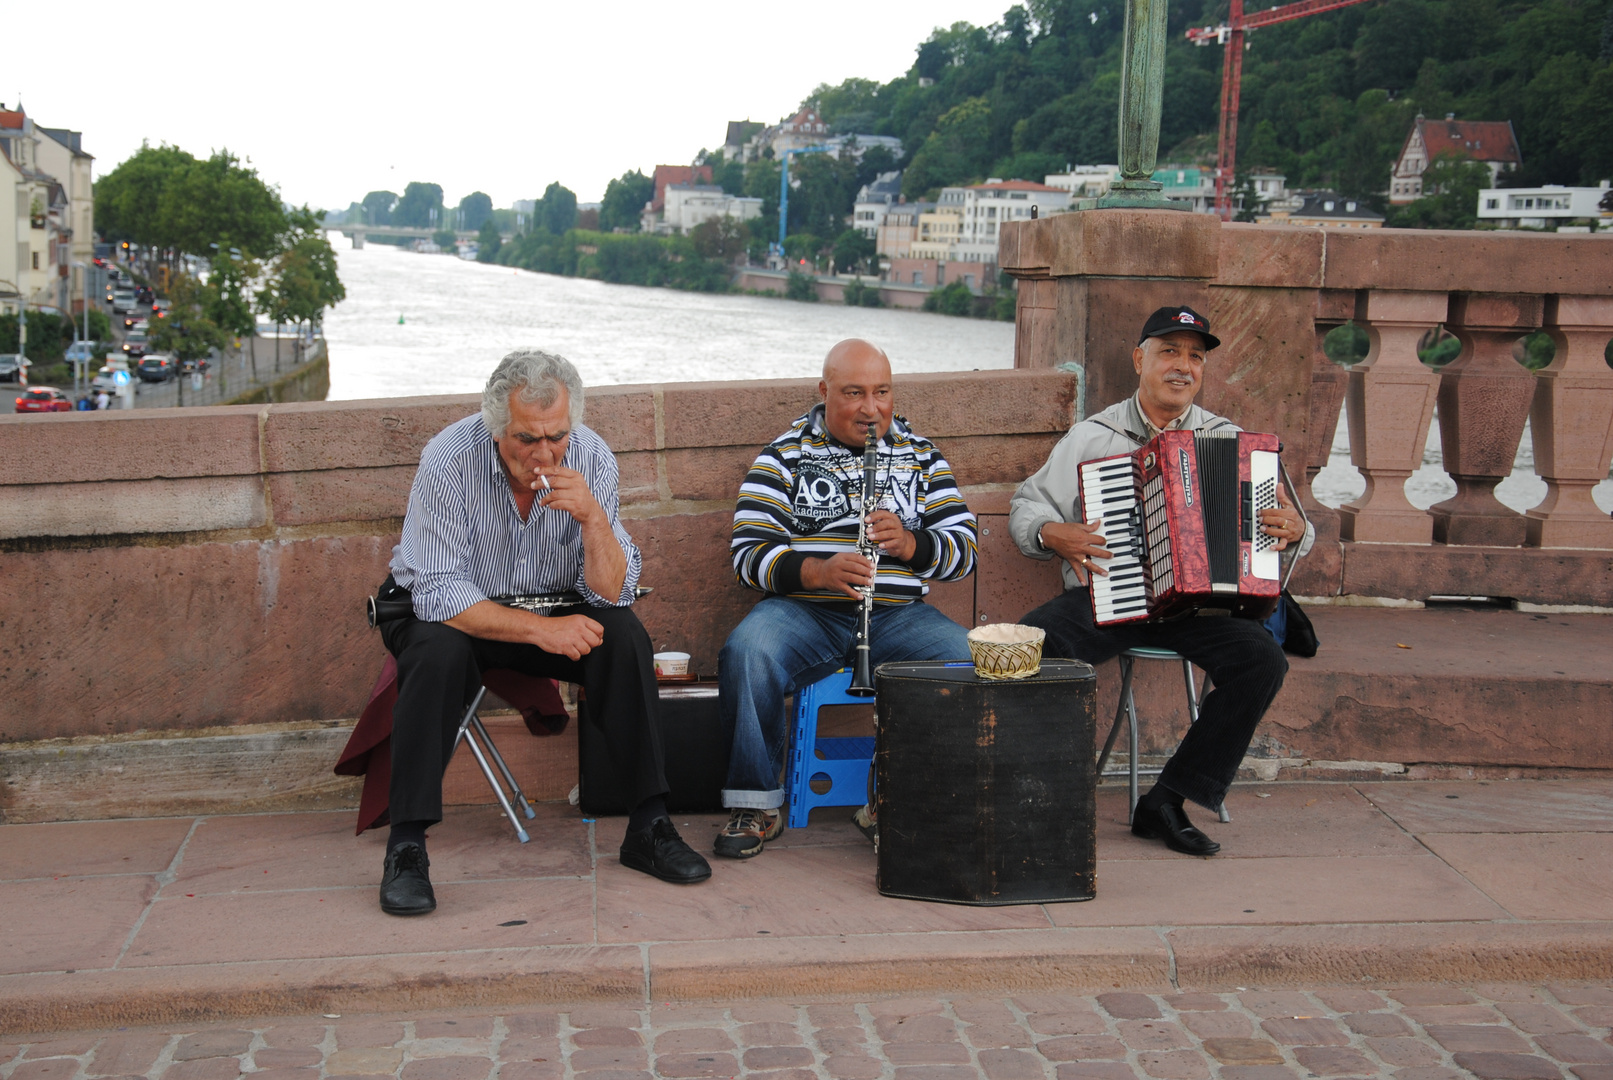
column 795, row 538
column 1242, row 658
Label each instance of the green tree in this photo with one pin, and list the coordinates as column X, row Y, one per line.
column 852, row 250
column 420, row 207
column 722, row 238
column 189, row 332
column 624, row 201
column 955, row 151
column 218, row 201
column 558, row 210
column 474, row 209
column 378, row 207
column 128, row 199
column 488, row 241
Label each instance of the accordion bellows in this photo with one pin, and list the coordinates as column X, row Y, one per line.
column 1006, row 650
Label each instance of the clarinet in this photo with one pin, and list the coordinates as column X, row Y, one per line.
column 862, row 675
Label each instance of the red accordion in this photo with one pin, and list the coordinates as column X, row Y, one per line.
column 1181, row 516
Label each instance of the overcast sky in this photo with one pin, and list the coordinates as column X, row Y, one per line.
column 329, row 101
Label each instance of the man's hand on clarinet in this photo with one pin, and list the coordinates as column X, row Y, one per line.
column 1077, row 543
column 574, row 636
column 886, row 530
column 1284, row 522
column 840, row 573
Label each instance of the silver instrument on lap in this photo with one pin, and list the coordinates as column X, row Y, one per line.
column 378, row 610
column 862, row 674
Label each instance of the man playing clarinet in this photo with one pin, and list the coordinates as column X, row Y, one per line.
column 795, row 538
column 518, row 499
column 1242, row 658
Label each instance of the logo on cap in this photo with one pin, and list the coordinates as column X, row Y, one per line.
column 1187, row 317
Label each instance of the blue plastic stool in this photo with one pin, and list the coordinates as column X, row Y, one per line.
column 843, row 762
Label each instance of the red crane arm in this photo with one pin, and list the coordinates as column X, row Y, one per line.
column 1297, row 10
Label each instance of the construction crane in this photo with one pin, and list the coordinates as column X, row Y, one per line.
column 1230, row 34
column 784, row 189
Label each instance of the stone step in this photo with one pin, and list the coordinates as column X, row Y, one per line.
column 1410, row 692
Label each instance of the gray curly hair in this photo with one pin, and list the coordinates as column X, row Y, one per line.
column 540, row 376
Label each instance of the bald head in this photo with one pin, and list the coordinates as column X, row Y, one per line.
column 851, row 354
column 856, row 390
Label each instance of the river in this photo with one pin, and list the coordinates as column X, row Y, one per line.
column 434, row 324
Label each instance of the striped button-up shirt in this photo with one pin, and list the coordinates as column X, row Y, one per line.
column 464, row 540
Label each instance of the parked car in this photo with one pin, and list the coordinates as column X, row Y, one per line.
column 157, row 367
column 10, row 364
column 44, row 399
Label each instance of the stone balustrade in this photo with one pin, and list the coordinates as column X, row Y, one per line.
column 1273, row 293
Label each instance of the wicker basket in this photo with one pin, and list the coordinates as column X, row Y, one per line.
column 1006, row 650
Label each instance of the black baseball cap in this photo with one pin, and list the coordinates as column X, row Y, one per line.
column 1168, row 320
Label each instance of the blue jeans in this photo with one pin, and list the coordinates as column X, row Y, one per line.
column 783, row 645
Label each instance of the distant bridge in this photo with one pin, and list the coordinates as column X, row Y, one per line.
column 357, row 233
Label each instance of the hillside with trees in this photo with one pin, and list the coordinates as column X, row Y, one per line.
column 1327, row 100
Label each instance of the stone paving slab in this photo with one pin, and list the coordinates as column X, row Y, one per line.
column 1421, row 1032
column 150, row 921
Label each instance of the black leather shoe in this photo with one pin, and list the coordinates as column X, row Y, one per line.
column 1170, row 824
column 405, row 888
column 660, row 852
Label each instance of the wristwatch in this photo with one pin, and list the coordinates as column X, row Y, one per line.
column 1040, row 546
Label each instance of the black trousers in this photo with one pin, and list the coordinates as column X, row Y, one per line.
column 440, row 670
column 1244, row 661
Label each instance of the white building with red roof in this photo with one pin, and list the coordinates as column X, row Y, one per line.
column 1489, row 142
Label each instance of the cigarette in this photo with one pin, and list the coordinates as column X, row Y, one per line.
column 545, row 479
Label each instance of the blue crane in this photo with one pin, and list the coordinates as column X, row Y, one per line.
column 784, row 190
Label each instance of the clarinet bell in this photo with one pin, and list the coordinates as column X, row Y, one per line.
column 862, row 679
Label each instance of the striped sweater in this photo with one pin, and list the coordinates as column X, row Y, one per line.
column 803, row 497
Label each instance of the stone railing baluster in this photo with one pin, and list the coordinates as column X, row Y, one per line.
column 1333, row 309
column 1484, row 397
column 1572, row 425
column 1390, row 396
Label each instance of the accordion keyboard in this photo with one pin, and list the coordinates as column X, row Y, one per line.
column 1109, row 495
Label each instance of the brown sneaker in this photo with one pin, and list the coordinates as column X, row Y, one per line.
column 747, row 831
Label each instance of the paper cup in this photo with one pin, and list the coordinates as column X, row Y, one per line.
column 671, row 663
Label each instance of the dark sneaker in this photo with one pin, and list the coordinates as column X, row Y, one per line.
column 660, row 852
column 747, row 831
column 866, row 821
column 405, row 887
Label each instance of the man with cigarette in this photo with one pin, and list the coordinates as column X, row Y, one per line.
column 520, row 499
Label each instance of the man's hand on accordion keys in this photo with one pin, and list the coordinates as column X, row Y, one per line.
column 1078, row 544
column 1283, row 523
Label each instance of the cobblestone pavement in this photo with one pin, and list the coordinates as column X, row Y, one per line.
column 1413, row 1033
